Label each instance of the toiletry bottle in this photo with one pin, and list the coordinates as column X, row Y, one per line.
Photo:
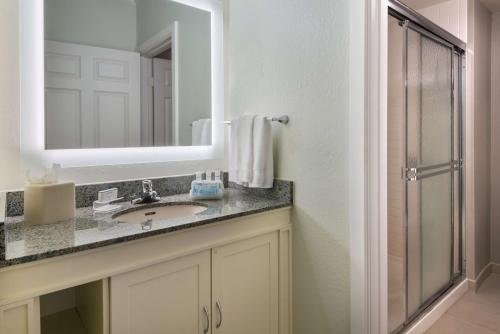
column 218, row 179
column 206, row 189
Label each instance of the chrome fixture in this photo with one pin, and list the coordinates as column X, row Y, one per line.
column 148, row 194
column 219, row 309
column 207, row 319
column 282, row 119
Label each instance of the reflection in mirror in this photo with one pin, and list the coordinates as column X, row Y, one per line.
column 126, row 73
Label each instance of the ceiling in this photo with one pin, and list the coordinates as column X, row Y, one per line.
column 492, row 5
column 418, row 4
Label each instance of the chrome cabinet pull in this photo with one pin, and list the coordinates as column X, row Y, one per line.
column 207, row 316
column 219, row 309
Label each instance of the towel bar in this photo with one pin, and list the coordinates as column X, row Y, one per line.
column 282, row 119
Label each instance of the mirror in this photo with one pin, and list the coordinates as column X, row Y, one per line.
column 126, row 73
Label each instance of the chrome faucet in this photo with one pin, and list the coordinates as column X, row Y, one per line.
column 148, row 194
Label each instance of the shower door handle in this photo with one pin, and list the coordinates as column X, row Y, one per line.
column 422, row 172
column 410, row 174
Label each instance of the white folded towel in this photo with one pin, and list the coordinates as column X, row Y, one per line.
column 263, row 164
column 201, row 132
column 251, row 152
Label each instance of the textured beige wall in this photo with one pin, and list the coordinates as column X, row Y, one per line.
column 495, row 138
column 451, row 15
column 291, row 57
column 482, row 113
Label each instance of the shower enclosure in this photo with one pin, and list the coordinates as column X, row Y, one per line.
column 425, row 232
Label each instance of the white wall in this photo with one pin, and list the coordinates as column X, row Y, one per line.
column 108, row 24
column 11, row 174
column 482, row 123
column 194, row 55
column 495, row 138
column 292, row 57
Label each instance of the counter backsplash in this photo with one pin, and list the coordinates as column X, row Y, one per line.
column 86, row 194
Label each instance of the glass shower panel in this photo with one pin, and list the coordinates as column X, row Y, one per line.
column 429, row 101
column 429, row 193
column 457, row 120
column 436, row 114
column 429, row 238
column 425, row 175
column 457, row 222
column 457, row 147
column 414, row 237
column 413, row 98
column 436, row 234
column 413, row 159
column 396, row 185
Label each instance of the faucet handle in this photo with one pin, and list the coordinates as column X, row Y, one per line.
column 134, row 199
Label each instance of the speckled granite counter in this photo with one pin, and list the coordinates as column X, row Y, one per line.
column 23, row 243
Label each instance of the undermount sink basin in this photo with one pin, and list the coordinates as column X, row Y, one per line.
column 151, row 214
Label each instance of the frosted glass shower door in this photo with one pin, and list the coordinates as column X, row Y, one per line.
column 430, row 168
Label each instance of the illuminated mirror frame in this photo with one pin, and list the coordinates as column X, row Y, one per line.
column 33, row 111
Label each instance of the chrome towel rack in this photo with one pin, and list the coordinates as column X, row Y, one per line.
column 282, row 119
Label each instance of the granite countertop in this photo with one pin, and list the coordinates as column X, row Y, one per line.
column 27, row 243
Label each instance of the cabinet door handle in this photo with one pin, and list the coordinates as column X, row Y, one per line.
column 207, row 317
column 219, row 309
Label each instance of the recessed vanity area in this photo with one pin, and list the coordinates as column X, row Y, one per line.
column 124, row 83
column 224, row 269
column 77, row 310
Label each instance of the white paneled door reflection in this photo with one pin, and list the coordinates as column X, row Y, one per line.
column 162, row 98
column 92, row 97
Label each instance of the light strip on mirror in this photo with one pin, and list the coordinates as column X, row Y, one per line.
column 32, row 141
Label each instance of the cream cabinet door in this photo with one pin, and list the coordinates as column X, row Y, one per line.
column 21, row 317
column 167, row 298
column 245, row 286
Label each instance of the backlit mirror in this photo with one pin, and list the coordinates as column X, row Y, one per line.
column 126, row 73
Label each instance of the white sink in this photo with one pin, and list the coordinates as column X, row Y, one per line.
column 170, row 211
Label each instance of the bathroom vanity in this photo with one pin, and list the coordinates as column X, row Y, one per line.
column 224, row 269
column 89, row 98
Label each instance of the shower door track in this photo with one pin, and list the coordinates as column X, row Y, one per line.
column 401, row 11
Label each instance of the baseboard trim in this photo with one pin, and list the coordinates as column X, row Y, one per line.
column 488, row 269
column 437, row 311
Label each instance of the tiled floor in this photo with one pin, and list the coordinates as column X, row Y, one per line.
column 474, row 313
